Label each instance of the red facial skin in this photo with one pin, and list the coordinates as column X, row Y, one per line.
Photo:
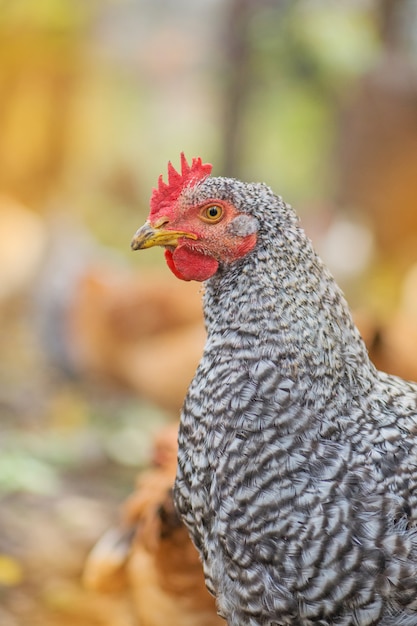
column 199, row 259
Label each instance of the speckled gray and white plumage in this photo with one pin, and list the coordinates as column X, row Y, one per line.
column 297, row 459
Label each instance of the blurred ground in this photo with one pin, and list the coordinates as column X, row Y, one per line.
column 69, row 456
column 97, row 345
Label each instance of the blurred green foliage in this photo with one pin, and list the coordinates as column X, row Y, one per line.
column 306, row 57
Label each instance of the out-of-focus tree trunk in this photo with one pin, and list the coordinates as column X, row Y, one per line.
column 237, row 82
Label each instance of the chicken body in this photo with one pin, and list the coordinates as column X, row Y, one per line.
column 297, row 465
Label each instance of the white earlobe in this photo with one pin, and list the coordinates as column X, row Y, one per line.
column 243, row 225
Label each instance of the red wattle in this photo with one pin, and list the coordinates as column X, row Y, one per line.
column 188, row 264
column 170, row 262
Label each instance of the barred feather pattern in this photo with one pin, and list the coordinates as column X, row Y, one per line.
column 297, row 465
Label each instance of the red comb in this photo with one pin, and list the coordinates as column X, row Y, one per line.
column 166, row 193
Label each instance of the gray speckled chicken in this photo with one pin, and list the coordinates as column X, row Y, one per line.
column 297, row 467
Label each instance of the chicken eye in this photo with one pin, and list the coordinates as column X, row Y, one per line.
column 212, row 213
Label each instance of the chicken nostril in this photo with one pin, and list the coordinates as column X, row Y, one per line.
column 162, row 221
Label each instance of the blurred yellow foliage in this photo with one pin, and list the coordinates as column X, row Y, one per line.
column 11, row 571
column 39, row 62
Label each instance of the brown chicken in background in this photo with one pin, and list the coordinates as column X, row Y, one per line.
column 100, row 320
column 150, row 554
column 136, row 330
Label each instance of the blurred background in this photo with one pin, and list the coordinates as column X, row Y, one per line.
column 97, row 345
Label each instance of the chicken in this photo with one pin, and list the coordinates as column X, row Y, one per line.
column 150, row 552
column 112, row 335
column 297, row 460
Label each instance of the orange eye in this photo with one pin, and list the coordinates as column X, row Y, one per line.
column 212, row 213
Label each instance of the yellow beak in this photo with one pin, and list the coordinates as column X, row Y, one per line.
column 148, row 236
